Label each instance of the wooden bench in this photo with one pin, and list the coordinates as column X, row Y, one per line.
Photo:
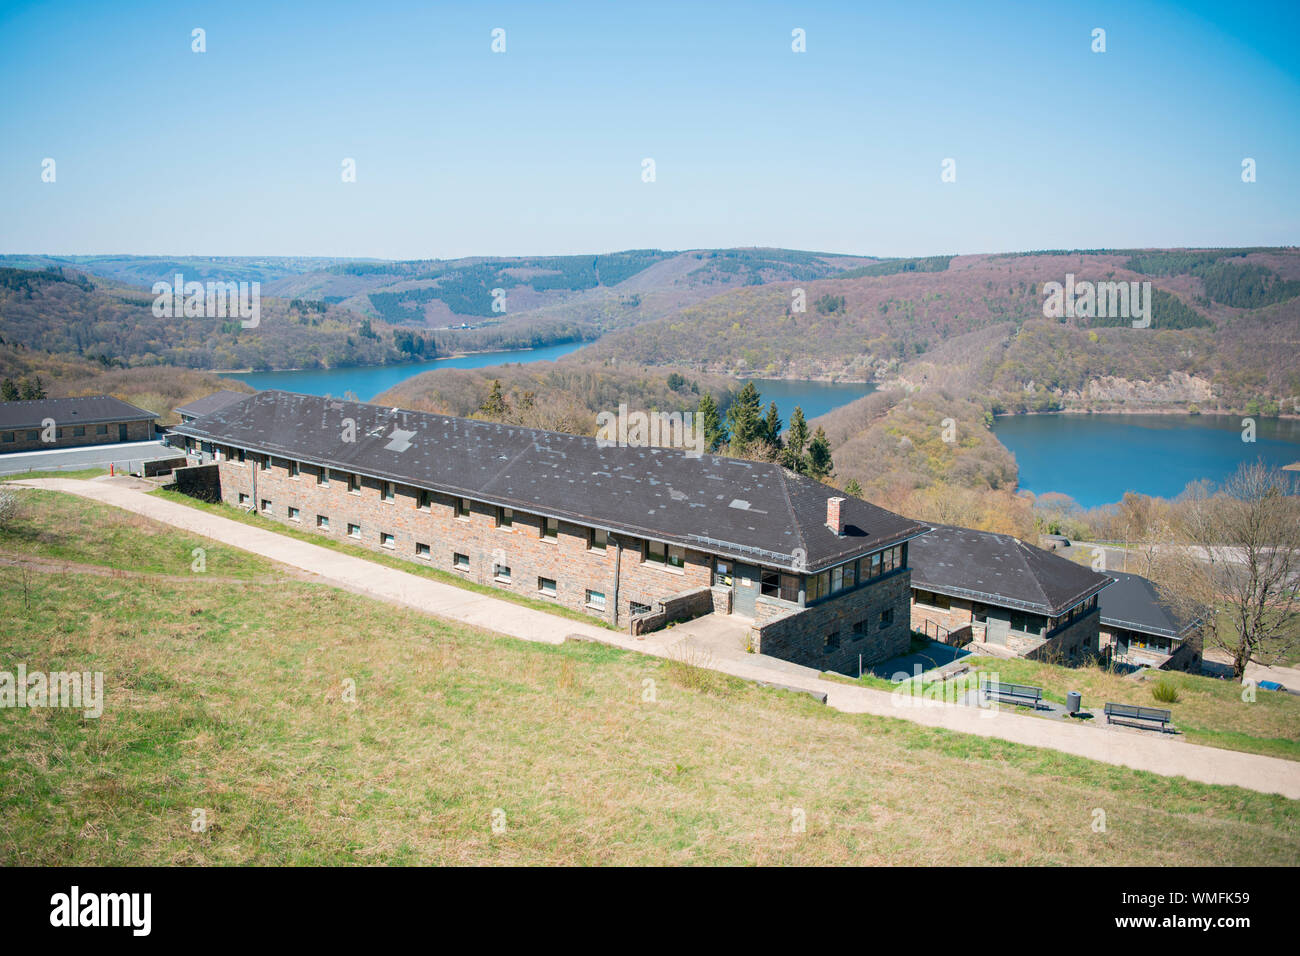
column 1139, row 716
column 1013, row 693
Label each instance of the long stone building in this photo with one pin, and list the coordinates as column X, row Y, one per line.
column 636, row 536
column 47, row 423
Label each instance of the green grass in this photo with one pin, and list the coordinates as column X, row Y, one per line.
column 227, row 696
column 358, row 551
column 85, row 474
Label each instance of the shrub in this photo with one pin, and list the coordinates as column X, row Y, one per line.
column 1165, row 692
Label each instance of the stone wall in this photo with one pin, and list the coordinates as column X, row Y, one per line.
column 1076, row 643
column 800, row 635
column 200, row 481
column 567, row 559
column 29, row 439
column 676, row 607
column 953, row 618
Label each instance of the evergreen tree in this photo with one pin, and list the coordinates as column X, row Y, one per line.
column 744, row 418
column 9, row 391
column 494, row 406
column 796, row 439
column 853, row 488
column 772, row 426
column 33, row 389
column 820, row 464
column 715, row 432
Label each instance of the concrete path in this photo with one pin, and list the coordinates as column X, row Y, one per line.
column 1157, row 753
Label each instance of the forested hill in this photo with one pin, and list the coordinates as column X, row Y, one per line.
column 70, row 314
column 1224, row 331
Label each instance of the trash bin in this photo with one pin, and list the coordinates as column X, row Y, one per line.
column 1073, row 701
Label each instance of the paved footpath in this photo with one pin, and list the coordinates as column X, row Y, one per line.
column 1167, row 755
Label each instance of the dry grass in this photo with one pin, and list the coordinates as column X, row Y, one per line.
column 230, row 697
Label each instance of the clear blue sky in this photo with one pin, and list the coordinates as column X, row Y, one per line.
column 459, row 151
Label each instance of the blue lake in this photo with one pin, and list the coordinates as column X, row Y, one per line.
column 369, row 380
column 816, row 398
column 1095, row 459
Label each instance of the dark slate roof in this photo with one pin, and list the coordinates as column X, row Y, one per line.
column 1001, row 570
column 210, row 403
column 746, row 510
column 91, row 410
column 1134, row 604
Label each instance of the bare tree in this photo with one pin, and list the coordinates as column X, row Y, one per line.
column 1233, row 564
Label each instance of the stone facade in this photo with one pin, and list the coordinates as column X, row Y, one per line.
column 871, row 620
column 75, row 436
column 1076, row 643
column 677, row 607
column 568, row 559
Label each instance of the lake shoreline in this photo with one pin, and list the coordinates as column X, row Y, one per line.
column 433, row 361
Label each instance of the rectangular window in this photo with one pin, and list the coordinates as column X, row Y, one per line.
column 461, row 508
column 722, row 573
column 460, row 561
column 501, row 573
column 597, row 539
column 859, row 630
column 354, row 484
column 424, row 501
column 891, row 559
column 101, row 429
column 266, row 505
column 387, row 491
column 386, row 540
column 818, row 587
column 940, row 601
column 505, row 518
column 422, row 550
column 323, row 522
column 837, row 579
column 771, row 583
column 550, row 529
column 637, row 607
column 596, row 600
column 241, row 456
column 850, row 574
column 79, row 431
column 294, row 514
column 831, row 641
column 34, row 436
column 7, row 436
column 669, row 555
column 294, row 470
column 546, row 586
column 887, row 617
column 354, row 531
column 876, row 564
column 323, row 477
column 243, row 498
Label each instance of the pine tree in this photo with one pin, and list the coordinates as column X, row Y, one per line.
column 853, row 488
column 715, row 433
column 772, row 426
column 9, row 390
column 796, row 439
column 744, row 418
column 494, row 406
column 820, row 464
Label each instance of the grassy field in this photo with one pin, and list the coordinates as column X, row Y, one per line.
column 80, row 473
column 227, row 694
column 347, row 547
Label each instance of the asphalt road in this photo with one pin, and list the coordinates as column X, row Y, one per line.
column 71, row 459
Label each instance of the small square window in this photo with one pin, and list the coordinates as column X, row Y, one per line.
column 859, row 630
column 887, row 617
column 266, row 505
column 294, row 514
column 598, row 539
column 102, row 430
column 501, row 573
column 596, row 600
column 354, row 531
column 323, row 522
column 79, row 431
column 550, row 529
column 421, row 550
column 386, row 540
column 461, row 508
column 546, row 586
column 460, row 561
column 505, row 518
column 6, row 436
column 243, row 498
column 831, row 641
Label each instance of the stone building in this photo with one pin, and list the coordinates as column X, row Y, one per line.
column 994, row 589
column 48, row 423
column 636, row 536
column 1140, row 629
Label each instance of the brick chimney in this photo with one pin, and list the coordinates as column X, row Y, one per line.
column 835, row 515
